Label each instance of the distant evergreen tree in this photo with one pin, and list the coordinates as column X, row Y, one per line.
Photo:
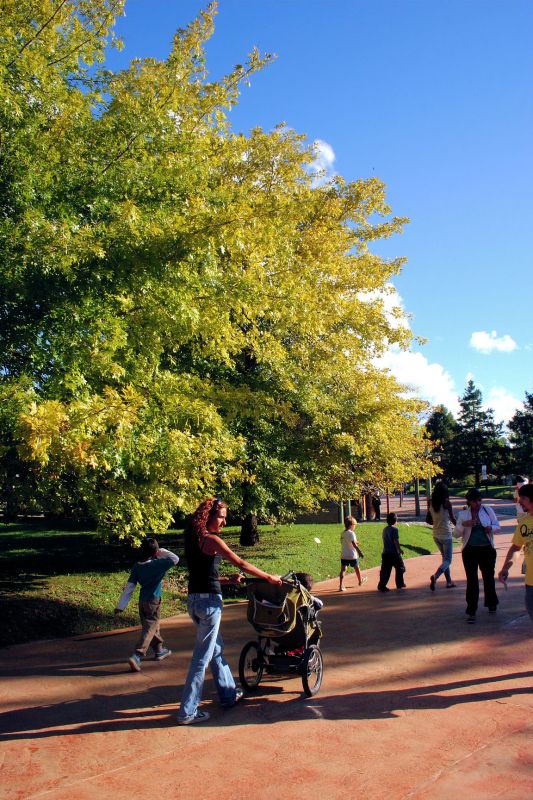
column 479, row 438
column 521, row 438
column 442, row 428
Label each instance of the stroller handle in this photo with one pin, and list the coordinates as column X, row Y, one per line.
column 289, row 577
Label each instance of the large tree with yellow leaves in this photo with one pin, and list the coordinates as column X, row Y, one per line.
column 183, row 309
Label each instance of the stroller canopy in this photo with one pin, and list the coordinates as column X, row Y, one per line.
column 273, row 610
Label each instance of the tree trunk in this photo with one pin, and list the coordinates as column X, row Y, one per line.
column 249, row 531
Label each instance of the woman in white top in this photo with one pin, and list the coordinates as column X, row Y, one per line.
column 443, row 521
column 476, row 525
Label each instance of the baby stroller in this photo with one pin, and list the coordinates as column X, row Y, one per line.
column 288, row 634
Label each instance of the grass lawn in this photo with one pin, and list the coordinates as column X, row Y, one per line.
column 496, row 492
column 63, row 583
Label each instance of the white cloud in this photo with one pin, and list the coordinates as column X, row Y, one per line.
column 503, row 403
column 322, row 165
column 392, row 304
column 485, row 342
column 430, row 381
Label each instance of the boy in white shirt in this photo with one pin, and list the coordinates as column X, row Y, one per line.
column 350, row 553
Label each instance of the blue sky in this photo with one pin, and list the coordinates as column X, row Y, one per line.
column 435, row 98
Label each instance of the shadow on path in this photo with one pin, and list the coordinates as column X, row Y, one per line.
column 136, row 711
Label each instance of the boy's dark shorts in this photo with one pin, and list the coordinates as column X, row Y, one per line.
column 350, row 562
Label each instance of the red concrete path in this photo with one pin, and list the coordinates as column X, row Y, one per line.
column 415, row 704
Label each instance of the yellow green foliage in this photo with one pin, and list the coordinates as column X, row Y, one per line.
column 183, row 306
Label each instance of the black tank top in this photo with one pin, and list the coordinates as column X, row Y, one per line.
column 203, row 568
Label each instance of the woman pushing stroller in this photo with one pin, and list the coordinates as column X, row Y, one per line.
column 204, row 550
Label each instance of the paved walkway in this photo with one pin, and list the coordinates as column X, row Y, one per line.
column 505, row 509
column 415, row 704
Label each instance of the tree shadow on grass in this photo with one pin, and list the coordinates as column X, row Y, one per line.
column 37, row 548
column 34, row 553
column 27, row 619
column 421, row 551
column 53, row 553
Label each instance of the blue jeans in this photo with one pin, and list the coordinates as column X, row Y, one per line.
column 446, row 551
column 205, row 611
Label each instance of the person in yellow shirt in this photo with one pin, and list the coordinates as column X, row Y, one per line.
column 523, row 538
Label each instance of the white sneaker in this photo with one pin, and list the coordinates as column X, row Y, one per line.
column 200, row 716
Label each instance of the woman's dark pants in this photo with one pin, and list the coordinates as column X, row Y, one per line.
column 484, row 559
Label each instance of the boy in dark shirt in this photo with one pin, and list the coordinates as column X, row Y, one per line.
column 391, row 556
column 149, row 573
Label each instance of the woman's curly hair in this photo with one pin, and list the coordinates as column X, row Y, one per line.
column 207, row 509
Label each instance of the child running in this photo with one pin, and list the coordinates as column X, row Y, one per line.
column 350, row 553
column 149, row 573
column 391, row 556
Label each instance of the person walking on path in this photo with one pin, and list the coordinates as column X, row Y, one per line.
column 376, row 505
column 204, row 550
column 149, row 573
column 523, row 538
column 350, row 553
column 520, row 481
column 443, row 522
column 391, row 556
column 476, row 526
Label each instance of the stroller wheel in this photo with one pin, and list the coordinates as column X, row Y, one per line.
column 250, row 665
column 312, row 670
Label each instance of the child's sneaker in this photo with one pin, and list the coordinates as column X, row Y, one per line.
column 135, row 663
column 363, row 580
column 200, row 716
column 163, row 653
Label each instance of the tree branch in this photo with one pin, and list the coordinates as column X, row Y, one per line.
column 38, row 33
column 82, row 44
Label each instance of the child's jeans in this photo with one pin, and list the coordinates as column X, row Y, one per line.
column 206, row 610
column 150, row 614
